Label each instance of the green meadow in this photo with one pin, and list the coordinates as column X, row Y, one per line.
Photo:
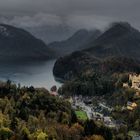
column 81, row 115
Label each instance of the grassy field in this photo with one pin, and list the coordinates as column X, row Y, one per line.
column 81, row 115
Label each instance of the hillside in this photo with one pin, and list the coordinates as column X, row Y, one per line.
column 117, row 50
column 78, row 63
column 71, row 65
column 18, row 45
column 119, row 40
column 76, row 42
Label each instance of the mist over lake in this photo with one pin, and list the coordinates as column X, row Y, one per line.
column 38, row 75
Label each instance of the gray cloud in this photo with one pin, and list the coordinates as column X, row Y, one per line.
column 78, row 13
column 39, row 19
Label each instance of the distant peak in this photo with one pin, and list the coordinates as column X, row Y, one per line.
column 125, row 24
column 122, row 24
column 86, row 31
column 121, row 27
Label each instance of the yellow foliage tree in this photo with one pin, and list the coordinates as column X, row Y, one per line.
column 96, row 137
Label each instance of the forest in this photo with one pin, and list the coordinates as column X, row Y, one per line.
column 28, row 113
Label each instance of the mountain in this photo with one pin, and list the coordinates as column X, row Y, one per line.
column 116, row 50
column 76, row 42
column 72, row 65
column 77, row 63
column 51, row 33
column 18, row 45
column 120, row 40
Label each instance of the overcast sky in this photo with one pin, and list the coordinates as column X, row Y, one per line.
column 77, row 13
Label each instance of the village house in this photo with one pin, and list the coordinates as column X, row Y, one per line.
column 135, row 78
column 125, row 85
column 131, row 106
column 137, row 93
column 69, row 99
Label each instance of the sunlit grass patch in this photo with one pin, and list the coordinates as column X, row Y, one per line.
column 81, row 115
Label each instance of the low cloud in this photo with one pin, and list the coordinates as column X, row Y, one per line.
column 44, row 19
column 40, row 19
column 76, row 13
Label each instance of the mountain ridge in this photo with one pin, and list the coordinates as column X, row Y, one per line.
column 76, row 42
column 116, row 40
column 120, row 43
column 17, row 44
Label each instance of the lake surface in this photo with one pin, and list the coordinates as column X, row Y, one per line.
column 39, row 75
